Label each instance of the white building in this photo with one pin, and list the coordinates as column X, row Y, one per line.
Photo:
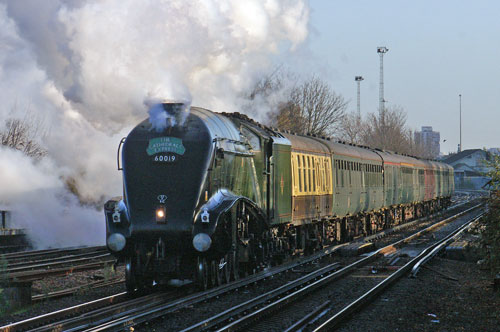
column 429, row 140
column 470, row 168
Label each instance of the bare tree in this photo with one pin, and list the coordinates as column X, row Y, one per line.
column 289, row 118
column 352, row 128
column 22, row 135
column 388, row 131
column 313, row 107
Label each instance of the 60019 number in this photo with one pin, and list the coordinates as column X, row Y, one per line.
column 167, row 159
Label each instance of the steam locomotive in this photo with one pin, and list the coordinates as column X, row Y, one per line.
column 220, row 196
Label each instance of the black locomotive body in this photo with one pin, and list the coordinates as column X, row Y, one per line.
column 220, row 196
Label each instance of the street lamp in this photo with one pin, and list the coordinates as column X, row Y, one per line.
column 381, row 50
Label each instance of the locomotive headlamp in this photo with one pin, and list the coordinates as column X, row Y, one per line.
column 161, row 214
column 202, row 242
column 205, row 217
column 116, row 217
column 116, row 242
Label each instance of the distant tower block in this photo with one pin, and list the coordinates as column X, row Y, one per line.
column 381, row 50
column 358, row 80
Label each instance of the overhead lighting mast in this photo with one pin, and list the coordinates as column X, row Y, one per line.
column 381, row 50
column 358, row 80
column 460, row 105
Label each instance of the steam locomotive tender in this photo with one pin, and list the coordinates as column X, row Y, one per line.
column 221, row 196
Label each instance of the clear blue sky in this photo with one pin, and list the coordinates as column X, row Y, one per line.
column 437, row 50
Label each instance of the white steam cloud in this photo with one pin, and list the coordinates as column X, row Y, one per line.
column 86, row 69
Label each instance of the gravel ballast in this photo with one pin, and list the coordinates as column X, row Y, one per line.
column 433, row 302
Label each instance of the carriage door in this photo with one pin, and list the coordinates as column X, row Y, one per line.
column 281, row 181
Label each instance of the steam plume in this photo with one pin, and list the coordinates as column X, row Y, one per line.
column 86, row 67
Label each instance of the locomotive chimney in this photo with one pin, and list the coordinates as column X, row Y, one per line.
column 176, row 111
column 167, row 114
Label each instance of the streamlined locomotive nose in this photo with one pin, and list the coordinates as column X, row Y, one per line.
column 163, row 176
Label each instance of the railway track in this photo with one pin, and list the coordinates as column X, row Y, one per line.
column 35, row 265
column 410, row 267
column 27, row 258
column 74, row 290
column 154, row 305
column 120, row 311
column 272, row 310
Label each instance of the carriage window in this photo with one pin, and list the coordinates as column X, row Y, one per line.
column 350, row 179
column 309, row 172
column 304, row 173
column 323, row 174
column 299, row 170
column 308, row 175
column 326, row 173
column 314, row 173
column 337, row 174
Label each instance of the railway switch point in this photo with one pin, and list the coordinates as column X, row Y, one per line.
column 356, row 249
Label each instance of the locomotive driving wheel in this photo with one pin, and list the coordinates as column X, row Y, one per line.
column 233, row 265
column 226, row 269
column 131, row 277
column 248, row 240
column 221, row 271
column 215, row 275
column 202, row 273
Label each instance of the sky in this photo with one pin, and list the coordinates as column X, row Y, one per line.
column 437, row 50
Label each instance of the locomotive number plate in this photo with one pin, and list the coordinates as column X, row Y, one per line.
column 165, row 158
